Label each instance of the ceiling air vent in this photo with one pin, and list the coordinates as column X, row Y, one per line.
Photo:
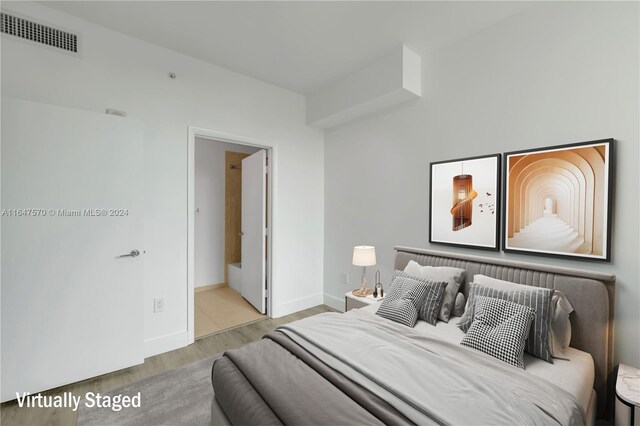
column 43, row 34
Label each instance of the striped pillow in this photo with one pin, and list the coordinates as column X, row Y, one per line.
column 410, row 298
column 429, row 307
column 454, row 277
column 559, row 311
column 538, row 300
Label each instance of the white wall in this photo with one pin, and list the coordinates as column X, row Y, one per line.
column 553, row 74
column 209, row 223
column 117, row 71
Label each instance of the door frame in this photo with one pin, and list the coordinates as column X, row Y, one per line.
column 220, row 136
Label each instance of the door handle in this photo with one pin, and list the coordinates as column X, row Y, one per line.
column 134, row 253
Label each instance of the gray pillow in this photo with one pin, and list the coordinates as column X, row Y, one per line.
column 499, row 329
column 538, row 299
column 410, row 298
column 454, row 277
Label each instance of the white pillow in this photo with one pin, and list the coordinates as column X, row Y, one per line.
column 454, row 277
column 458, row 305
column 560, row 309
column 560, row 330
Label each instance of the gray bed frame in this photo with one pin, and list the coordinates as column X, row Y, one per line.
column 590, row 293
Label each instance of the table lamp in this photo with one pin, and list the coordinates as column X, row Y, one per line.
column 363, row 256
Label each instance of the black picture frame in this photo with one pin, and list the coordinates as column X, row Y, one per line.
column 496, row 207
column 596, row 221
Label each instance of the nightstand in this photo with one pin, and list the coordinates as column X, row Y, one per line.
column 354, row 302
column 627, row 396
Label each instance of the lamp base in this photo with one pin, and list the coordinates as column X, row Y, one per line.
column 362, row 292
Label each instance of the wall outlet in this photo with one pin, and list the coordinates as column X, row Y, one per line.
column 345, row 278
column 158, row 304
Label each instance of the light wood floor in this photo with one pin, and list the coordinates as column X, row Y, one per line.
column 221, row 308
column 11, row 414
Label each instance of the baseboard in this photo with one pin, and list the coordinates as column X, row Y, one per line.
column 334, row 302
column 166, row 343
column 209, row 287
column 296, row 305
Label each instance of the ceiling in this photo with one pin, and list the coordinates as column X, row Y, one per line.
column 296, row 45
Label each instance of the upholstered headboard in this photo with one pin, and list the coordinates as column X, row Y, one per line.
column 590, row 293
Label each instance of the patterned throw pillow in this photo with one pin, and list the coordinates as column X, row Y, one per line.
column 538, row 300
column 410, row 298
column 430, row 309
column 402, row 311
column 559, row 311
column 499, row 329
column 453, row 277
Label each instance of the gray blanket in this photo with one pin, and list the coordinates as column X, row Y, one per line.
column 265, row 384
column 362, row 369
column 428, row 380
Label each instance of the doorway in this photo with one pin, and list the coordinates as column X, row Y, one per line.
column 229, row 193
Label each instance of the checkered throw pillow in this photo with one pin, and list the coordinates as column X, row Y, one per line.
column 537, row 299
column 410, row 298
column 499, row 329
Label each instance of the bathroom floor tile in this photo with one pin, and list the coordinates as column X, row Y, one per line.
column 203, row 325
column 221, row 308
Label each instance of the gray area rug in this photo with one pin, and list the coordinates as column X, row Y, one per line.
column 182, row 396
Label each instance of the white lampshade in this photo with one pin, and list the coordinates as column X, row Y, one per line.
column 364, row 255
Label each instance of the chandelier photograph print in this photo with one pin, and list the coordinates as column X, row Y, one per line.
column 465, row 202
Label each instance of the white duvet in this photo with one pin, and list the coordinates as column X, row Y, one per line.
column 575, row 374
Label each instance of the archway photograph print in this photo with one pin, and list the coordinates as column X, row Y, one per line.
column 465, row 202
column 558, row 200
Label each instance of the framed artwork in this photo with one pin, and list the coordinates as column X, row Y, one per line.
column 465, row 202
column 558, row 200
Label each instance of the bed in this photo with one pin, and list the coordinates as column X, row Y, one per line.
column 360, row 368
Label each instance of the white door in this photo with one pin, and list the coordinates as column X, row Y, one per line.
column 71, row 307
column 254, row 222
